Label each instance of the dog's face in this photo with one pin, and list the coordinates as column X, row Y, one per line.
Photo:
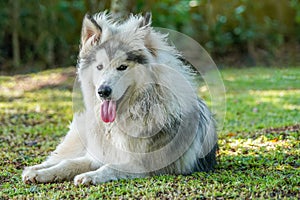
column 116, row 69
column 117, row 60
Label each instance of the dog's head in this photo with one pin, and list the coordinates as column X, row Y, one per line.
column 115, row 57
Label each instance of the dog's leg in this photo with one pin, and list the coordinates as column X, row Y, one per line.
column 73, row 146
column 65, row 170
column 102, row 175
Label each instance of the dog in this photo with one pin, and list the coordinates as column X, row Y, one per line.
column 142, row 116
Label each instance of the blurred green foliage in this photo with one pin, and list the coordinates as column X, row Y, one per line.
column 237, row 32
column 256, row 31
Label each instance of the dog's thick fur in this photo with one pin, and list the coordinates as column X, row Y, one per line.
column 148, row 100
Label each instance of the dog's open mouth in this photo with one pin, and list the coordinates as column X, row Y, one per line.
column 109, row 109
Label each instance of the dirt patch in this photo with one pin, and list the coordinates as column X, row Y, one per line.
column 291, row 128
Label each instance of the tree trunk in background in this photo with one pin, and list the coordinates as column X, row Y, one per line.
column 252, row 53
column 15, row 33
column 50, row 41
column 119, row 9
column 92, row 6
column 50, row 54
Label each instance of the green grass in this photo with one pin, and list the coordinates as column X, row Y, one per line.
column 259, row 154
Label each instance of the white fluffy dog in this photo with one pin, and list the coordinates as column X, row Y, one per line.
column 142, row 116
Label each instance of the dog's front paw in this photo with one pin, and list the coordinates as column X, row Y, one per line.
column 29, row 175
column 83, row 179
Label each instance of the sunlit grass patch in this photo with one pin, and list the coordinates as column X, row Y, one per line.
column 239, row 80
column 260, row 98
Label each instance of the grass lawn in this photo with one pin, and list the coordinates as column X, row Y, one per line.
column 259, row 155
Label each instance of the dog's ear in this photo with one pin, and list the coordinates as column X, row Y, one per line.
column 91, row 30
column 147, row 19
column 146, row 23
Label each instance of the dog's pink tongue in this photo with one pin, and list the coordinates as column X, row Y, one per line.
column 108, row 111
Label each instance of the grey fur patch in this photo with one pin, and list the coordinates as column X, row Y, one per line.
column 137, row 56
column 111, row 47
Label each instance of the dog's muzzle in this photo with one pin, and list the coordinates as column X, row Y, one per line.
column 104, row 91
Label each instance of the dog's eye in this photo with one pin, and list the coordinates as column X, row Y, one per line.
column 122, row 67
column 99, row 67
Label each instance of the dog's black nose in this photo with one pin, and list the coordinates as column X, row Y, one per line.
column 104, row 91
